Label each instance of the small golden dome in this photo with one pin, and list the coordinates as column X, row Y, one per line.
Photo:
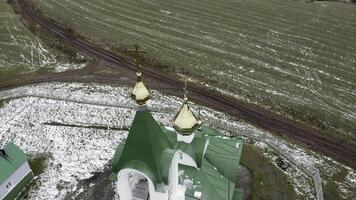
column 185, row 122
column 140, row 93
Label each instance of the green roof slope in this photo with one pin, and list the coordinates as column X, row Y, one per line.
column 223, row 152
column 13, row 160
column 218, row 173
column 225, row 155
column 146, row 148
column 207, row 180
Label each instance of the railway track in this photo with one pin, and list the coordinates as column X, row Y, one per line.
column 333, row 147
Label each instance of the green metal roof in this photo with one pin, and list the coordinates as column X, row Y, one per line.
column 13, row 159
column 207, row 180
column 195, row 149
column 217, row 176
column 225, row 155
column 147, row 144
column 149, row 148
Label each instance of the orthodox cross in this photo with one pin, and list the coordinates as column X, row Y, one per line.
column 136, row 55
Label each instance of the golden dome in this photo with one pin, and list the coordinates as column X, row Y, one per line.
column 185, row 122
column 140, row 93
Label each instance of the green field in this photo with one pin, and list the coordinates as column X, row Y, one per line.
column 269, row 182
column 293, row 57
column 20, row 50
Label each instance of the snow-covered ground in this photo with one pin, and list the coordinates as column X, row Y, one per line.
column 76, row 153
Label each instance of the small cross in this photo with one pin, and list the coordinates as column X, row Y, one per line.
column 136, row 54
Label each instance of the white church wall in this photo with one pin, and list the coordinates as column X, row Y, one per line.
column 173, row 172
column 14, row 179
column 185, row 138
column 124, row 186
column 182, row 138
column 176, row 191
column 186, row 159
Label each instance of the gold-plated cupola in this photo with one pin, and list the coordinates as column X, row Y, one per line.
column 185, row 122
column 139, row 93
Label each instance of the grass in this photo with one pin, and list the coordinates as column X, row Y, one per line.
column 269, row 182
column 38, row 164
column 23, row 69
column 292, row 57
column 331, row 191
column 23, row 54
column 331, row 188
column 343, row 1
column 20, row 72
column 20, row 51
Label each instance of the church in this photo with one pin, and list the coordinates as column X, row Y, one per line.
column 188, row 161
